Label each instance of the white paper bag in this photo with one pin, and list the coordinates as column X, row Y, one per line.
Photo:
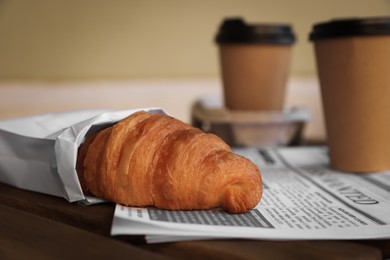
column 39, row 153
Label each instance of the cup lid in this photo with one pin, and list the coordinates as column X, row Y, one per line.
column 235, row 30
column 350, row 27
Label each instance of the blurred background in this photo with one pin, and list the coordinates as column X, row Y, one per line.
column 74, row 54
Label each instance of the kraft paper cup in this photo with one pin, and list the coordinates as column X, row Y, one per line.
column 254, row 60
column 353, row 63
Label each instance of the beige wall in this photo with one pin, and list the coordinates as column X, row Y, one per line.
column 95, row 39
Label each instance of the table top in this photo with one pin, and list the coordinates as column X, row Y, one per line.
column 39, row 226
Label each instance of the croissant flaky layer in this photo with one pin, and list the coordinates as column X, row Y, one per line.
column 156, row 160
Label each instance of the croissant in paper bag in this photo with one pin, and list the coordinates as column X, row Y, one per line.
column 156, row 160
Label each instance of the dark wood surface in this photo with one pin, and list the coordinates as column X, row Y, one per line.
column 28, row 236
column 38, row 226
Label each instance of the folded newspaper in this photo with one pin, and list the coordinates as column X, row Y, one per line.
column 303, row 199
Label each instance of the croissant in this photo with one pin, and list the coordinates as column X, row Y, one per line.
column 155, row 160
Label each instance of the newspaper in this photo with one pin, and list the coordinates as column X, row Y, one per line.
column 303, row 199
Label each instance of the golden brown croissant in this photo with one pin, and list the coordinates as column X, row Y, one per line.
column 156, row 160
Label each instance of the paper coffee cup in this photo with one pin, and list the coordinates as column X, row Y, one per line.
column 353, row 63
column 254, row 60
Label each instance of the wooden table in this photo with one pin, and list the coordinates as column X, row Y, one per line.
column 37, row 226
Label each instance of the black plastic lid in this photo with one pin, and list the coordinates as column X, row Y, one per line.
column 235, row 30
column 350, row 27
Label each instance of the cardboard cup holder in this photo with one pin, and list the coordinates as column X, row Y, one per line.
column 250, row 128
